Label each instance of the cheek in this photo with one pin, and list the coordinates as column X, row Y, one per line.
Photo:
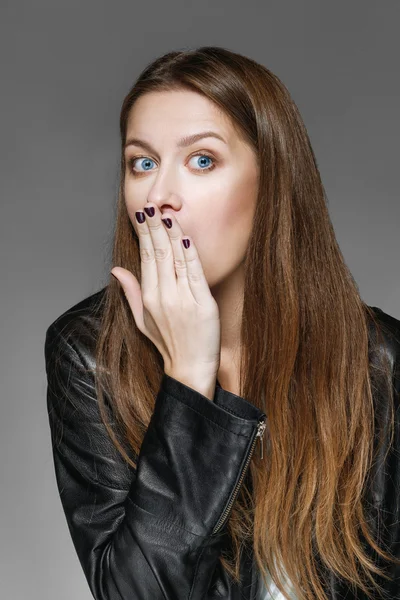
column 238, row 208
column 133, row 201
column 222, row 238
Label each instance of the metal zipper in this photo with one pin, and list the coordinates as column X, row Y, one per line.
column 259, row 432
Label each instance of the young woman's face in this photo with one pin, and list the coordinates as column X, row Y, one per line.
column 210, row 186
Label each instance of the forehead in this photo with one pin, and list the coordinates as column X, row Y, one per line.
column 182, row 111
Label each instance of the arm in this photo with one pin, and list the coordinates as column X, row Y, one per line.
column 157, row 531
column 383, row 484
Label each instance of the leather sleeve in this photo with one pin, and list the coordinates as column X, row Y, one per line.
column 389, row 523
column 384, row 494
column 145, row 533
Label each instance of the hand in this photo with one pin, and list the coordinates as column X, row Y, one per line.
column 173, row 307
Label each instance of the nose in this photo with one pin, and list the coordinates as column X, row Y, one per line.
column 165, row 192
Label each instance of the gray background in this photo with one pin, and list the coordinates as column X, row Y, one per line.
column 65, row 68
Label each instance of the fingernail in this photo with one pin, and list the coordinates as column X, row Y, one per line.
column 150, row 211
column 140, row 218
column 168, row 222
column 186, row 243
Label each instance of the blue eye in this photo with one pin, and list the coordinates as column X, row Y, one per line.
column 145, row 161
column 202, row 158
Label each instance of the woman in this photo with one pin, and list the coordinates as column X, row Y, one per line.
column 223, row 412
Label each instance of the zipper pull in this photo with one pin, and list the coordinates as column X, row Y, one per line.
column 260, row 432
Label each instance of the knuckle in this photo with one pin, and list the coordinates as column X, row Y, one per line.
column 146, row 255
column 195, row 276
column 148, row 299
column 156, row 225
column 162, row 253
column 180, row 264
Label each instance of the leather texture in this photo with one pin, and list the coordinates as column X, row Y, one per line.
column 148, row 533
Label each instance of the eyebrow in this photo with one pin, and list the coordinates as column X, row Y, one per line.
column 182, row 143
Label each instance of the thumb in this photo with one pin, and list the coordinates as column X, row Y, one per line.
column 133, row 293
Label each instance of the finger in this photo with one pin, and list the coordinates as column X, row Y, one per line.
column 162, row 249
column 132, row 291
column 149, row 260
column 188, row 267
column 176, row 234
column 195, row 277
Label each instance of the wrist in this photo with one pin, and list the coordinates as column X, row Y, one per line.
column 205, row 384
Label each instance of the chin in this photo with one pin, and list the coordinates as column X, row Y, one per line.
column 215, row 280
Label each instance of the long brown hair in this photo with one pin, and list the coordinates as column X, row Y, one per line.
column 306, row 349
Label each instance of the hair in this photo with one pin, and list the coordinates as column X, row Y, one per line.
column 308, row 359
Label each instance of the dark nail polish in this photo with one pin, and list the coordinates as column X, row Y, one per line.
column 140, row 218
column 149, row 211
column 168, row 222
column 186, row 243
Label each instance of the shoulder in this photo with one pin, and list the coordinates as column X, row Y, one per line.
column 77, row 326
column 386, row 341
column 389, row 327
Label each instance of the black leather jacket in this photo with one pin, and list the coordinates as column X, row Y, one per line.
column 156, row 533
